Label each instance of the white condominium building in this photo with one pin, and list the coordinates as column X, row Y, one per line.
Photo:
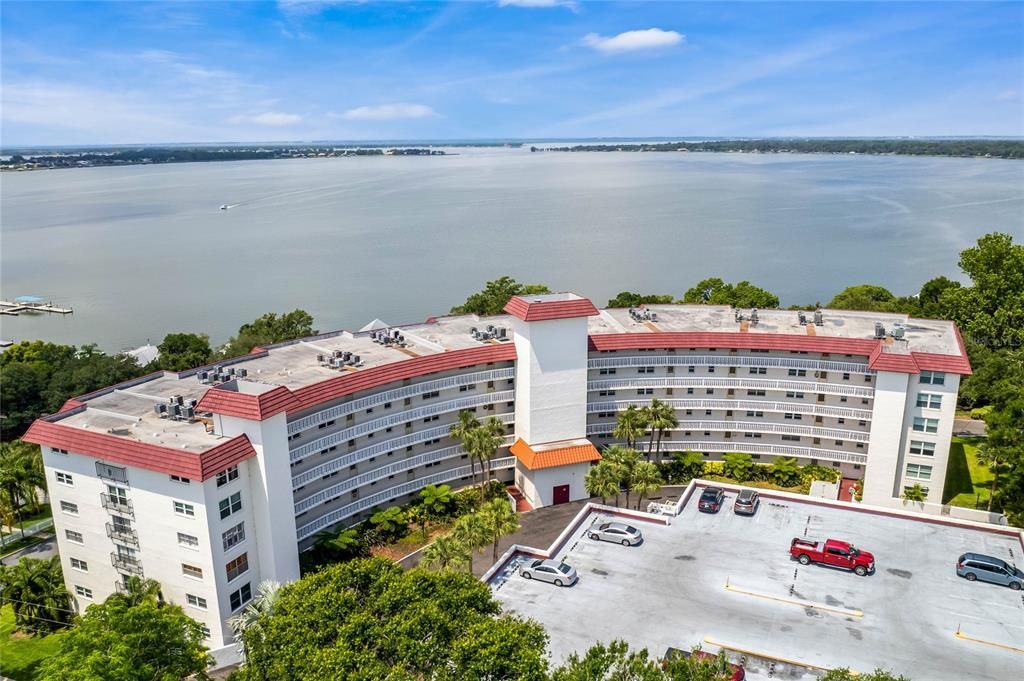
column 212, row 480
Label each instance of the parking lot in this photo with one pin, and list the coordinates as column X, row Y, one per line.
column 671, row 591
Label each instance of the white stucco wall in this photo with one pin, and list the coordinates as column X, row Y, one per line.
column 888, row 425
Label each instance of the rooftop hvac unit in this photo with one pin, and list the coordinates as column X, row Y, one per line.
column 320, row 359
column 401, row 338
column 395, row 333
column 503, row 332
column 190, row 413
column 898, row 332
column 346, row 355
column 753, row 315
column 472, row 331
column 231, row 371
column 336, row 353
column 243, row 372
column 356, row 359
column 819, row 318
column 203, row 376
column 654, row 316
column 160, row 409
column 802, row 318
column 879, row 330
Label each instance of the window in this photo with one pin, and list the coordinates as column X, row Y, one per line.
column 196, row 601
column 709, row 391
column 795, row 395
column 55, row 450
column 83, row 592
column 645, row 370
column 846, row 377
column 75, row 537
column 206, row 632
column 759, row 370
column 920, row 448
column 798, row 372
column 181, row 508
column 756, row 414
column 794, row 417
column 791, row 438
column 227, row 475
column 240, row 597
column 232, row 504
column 645, row 391
column 923, row 425
column 118, row 495
column 690, row 369
column 191, row 571
column 606, row 372
column 237, row 566
column 711, row 370
column 188, row 540
column 65, row 479
column 929, row 400
column 69, row 508
column 78, row 564
column 919, row 471
column 867, row 378
column 932, row 378
column 234, row 536
column 178, row 478
column 756, row 393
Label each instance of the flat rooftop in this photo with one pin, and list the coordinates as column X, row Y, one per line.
column 128, row 412
column 670, row 591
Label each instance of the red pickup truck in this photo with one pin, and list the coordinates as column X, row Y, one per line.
column 832, row 552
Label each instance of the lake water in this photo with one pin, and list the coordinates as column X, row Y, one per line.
column 145, row 250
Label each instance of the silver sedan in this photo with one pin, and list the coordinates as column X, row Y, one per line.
column 552, row 571
column 619, row 533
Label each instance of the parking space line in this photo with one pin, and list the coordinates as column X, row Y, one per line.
column 794, row 601
column 959, row 634
column 766, row 656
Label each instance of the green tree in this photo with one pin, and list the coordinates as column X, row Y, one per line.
column 180, row 351
column 138, row 590
column 715, row 291
column 1004, row 444
column 866, row 297
column 691, row 464
column 603, row 481
column 35, row 590
column 644, row 479
column 990, row 311
column 370, row 619
column 623, row 461
column 447, row 552
column 500, row 519
column 738, row 465
column 915, row 493
column 472, row 532
column 436, row 502
column 630, row 299
column 492, row 299
column 269, row 329
column 118, row 641
column 609, row 662
column 21, row 475
column 845, row 674
column 930, row 297
column 390, row 522
column 661, row 418
column 630, row 425
column 245, row 624
column 333, row 545
column 462, row 431
column 785, row 471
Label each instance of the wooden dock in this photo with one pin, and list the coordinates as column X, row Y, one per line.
column 13, row 309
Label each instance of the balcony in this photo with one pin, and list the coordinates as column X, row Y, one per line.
column 125, row 535
column 117, row 474
column 128, row 564
column 117, row 505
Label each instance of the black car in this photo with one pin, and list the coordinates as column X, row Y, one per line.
column 711, row 500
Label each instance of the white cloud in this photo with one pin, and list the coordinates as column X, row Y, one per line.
column 270, row 118
column 386, row 112
column 631, row 41
column 538, row 3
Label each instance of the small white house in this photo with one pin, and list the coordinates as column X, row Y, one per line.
column 553, row 473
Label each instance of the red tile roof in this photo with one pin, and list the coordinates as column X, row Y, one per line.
column 730, row 340
column 243, row 405
column 108, row 447
column 366, row 379
column 538, row 311
column 558, row 456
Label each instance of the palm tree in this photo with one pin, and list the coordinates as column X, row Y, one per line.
column 20, row 476
column 340, row 545
column 436, row 500
column 644, row 479
column 138, row 590
column 446, row 552
column 602, row 481
column 471, row 532
column 462, row 431
column 500, row 519
column 35, row 589
column 661, row 419
column 994, row 456
column 390, row 522
column 915, row 493
column 251, row 617
column 497, row 429
column 630, row 425
column 623, row 460
column 785, row 471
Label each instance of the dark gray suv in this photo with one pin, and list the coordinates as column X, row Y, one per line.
column 975, row 566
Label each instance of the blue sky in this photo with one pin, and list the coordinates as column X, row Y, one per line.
column 126, row 72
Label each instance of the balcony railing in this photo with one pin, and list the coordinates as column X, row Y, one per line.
column 117, row 505
column 129, row 564
column 125, row 535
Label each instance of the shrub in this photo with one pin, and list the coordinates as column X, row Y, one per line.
column 738, row 466
column 979, row 413
column 813, row 472
column 785, row 471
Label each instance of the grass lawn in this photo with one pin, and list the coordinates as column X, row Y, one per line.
column 968, row 483
column 21, row 654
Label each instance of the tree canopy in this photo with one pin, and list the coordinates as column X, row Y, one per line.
column 630, row 299
column 268, row 329
column 129, row 639
column 870, row 298
column 492, row 299
column 180, row 351
column 715, row 291
column 368, row 619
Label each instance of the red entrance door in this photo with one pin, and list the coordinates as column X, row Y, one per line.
column 560, row 494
